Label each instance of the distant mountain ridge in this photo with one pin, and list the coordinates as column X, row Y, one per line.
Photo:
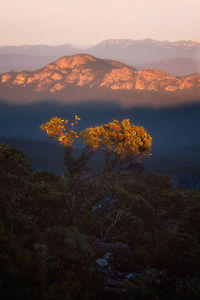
column 178, row 66
column 19, row 62
column 80, row 77
column 132, row 52
column 39, row 50
column 148, row 41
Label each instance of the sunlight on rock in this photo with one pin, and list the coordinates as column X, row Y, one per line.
column 57, row 76
column 57, row 87
column 20, row 79
column 5, row 77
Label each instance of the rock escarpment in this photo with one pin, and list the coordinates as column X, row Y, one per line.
column 86, row 76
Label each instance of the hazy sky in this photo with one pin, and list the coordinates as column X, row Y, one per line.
column 87, row 22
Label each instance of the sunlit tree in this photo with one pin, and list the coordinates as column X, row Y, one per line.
column 117, row 137
column 62, row 130
column 117, row 147
column 121, row 138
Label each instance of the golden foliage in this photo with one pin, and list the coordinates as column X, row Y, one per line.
column 120, row 137
column 61, row 130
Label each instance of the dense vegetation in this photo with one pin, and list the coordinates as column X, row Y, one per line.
column 96, row 233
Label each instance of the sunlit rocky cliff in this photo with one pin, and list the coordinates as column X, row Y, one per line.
column 84, row 77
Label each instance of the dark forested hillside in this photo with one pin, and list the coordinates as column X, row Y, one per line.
column 108, row 236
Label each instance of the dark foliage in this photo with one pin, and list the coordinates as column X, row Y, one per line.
column 53, row 229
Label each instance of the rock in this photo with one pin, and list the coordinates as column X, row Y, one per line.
column 105, row 261
column 102, row 262
column 114, row 279
column 108, row 256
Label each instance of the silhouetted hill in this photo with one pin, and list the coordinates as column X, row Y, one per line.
column 41, row 155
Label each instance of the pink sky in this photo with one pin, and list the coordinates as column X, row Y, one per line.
column 87, row 22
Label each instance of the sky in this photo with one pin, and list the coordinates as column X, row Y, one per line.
column 88, row 22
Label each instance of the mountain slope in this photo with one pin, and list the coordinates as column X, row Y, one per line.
column 40, row 50
column 86, row 77
column 133, row 52
column 20, row 62
column 179, row 66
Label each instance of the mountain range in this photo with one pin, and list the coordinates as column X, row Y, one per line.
column 178, row 66
column 132, row 52
column 84, row 77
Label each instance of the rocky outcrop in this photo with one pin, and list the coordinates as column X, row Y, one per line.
column 113, row 252
column 87, row 70
column 115, row 280
column 84, row 77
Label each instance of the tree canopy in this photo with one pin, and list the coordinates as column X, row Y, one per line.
column 123, row 138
